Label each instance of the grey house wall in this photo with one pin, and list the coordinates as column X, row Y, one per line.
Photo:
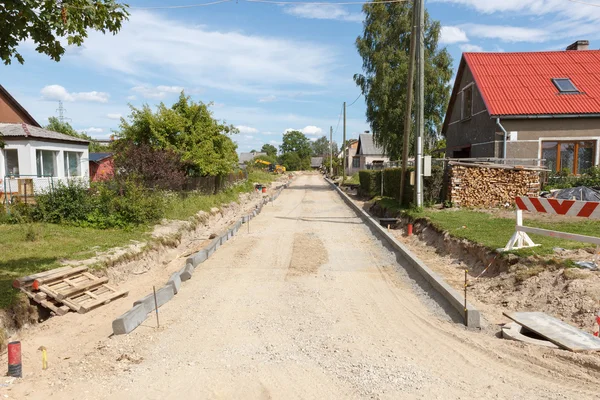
column 479, row 131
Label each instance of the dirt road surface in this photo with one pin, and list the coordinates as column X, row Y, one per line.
column 307, row 305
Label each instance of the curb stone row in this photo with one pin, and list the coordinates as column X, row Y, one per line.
column 131, row 319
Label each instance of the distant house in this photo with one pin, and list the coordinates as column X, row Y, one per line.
column 245, row 158
column 33, row 155
column 350, row 153
column 527, row 105
column 316, row 162
column 368, row 154
column 101, row 166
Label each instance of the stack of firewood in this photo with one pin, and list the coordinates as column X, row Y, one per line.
column 483, row 185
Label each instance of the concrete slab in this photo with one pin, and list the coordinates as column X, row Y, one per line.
column 175, row 281
column 130, row 320
column 514, row 331
column 224, row 238
column 197, row 258
column 163, row 295
column 186, row 273
column 558, row 332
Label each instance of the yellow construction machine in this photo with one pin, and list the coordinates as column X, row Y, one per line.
column 279, row 169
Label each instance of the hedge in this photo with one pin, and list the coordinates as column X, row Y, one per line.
column 370, row 184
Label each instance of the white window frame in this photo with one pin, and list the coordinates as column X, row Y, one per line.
column 6, row 170
column 55, row 162
column 66, row 157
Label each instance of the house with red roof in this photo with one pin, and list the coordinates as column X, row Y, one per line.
column 530, row 105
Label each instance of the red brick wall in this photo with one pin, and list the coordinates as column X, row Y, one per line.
column 102, row 171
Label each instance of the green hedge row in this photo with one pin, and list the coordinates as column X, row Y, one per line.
column 370, row 184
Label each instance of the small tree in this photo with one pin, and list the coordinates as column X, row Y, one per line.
column 54, row 124
column 269, row 149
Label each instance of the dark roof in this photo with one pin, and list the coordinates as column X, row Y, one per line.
column 316, row 162
column 245, row 157
column 97, row 157
column 18, row 106
column 366, row 146
column 24, row 130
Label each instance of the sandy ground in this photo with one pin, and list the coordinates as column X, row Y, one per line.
column 307, row 305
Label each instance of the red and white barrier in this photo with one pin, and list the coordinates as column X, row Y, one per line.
column 574, row 208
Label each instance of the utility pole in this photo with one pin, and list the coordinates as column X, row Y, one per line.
column 409, row 100
column 420, row 104
column 344, row 147
column 61, row 112
column 331, row 151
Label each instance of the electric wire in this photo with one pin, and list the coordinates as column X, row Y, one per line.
column 355, row 100
column 339, row 119
column 586, row 3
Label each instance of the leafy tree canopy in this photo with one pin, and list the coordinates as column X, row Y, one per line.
column 54, row 124
column 46, row 22
column 292, row 162
column 269, row 149
column 320, row 147
column 384, row 47
column 295, row 142
column 187, row 128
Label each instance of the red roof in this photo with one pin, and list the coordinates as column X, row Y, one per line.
column 521, row 83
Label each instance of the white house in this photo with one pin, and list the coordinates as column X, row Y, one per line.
column 368, row 155
column 42, row 157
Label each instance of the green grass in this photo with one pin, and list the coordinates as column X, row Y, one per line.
column 353, row 180
column 21, row 256
column 494, row 232
column 37, row 247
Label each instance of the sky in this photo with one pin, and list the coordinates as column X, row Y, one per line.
column 265, row 68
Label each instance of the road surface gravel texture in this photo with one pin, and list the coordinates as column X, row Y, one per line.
column 308, row 305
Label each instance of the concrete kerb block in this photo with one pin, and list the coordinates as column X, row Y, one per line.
column 130, row 320
column 163, row 295
column 438, row 284
column 197, row 258
column 186, row 273
column 224, row 238
column 175, row 281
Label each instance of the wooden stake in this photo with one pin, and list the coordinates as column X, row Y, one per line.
column 156, row 306
column 466, row 312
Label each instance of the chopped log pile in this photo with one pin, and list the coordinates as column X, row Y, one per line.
column 63, row 289
column 490, row 185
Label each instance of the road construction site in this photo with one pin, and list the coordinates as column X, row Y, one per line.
column 305, row 302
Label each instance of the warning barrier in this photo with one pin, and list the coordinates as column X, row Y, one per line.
column 574, row 208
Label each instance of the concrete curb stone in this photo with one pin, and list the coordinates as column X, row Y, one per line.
column 186, row 273
column 198, row 258
column 163, row 295
column 175, row 281
column 130, row 320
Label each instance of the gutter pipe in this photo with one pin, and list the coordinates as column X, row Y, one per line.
column 505, row 135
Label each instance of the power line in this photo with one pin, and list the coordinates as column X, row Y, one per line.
column 585, row 2
column 354, row 100
column 327, row 2
column 339, row 119
column 181, row 6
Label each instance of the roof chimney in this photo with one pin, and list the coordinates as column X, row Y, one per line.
column 579, row 45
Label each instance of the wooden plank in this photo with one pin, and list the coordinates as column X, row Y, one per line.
column 556, row 331
column 28, row 280
column 81, row 288
column 57, row 276
column 40, row 297
column 103, row 300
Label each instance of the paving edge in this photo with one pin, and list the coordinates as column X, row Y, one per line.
column 436, row 281
column 512, row 331
column 134, row 317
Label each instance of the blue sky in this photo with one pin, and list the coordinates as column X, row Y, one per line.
column 266, row 67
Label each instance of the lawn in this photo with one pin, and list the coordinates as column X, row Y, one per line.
column 36, row 247
column 494, row 232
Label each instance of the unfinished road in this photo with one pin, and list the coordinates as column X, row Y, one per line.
column 310, row 305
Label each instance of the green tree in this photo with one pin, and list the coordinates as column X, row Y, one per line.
column 384, row 47
column 269, row 149
column 46, row 22
column 54, row 124
column 293, row 162
column 295, row 151
column 187, row 128
column 320, row 147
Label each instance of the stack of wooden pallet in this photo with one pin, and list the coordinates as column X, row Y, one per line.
column 67, row 288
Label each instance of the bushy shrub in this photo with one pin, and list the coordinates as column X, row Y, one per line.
column 370, row 182
column 64, row 203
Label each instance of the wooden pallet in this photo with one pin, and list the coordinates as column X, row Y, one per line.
column 66, row 288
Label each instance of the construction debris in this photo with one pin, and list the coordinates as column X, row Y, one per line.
column 63, row 289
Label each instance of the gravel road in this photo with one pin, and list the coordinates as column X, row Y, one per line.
column 309, row 305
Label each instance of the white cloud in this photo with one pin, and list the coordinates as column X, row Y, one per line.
column 131, row 98
column 267, row 99
column 151, row 46
column 309, row 130
column 467, row 47
column 249, row 136
column 452, row 34
column 246, row 129
column 274, row 142
column 57, row 92
column 90, row 130
column 113, row 116
column 507, row 33
column 156, row 92
column 323, row 11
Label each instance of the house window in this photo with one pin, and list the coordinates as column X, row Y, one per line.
column 564, row 85
column 356, row 162
column 467, row 100
column 72, row 164
column 11, row 157
column 46, row 163
column 574, row 157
